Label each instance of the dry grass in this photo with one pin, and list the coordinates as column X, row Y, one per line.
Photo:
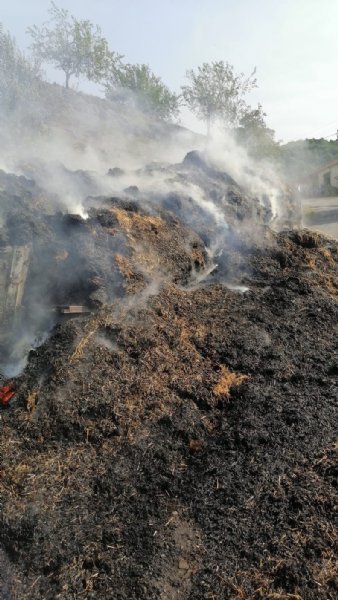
column 124, row 266
column 144, row 259
column 32, row 400
column 311, row 263
column 327, row 254
column 185, row 335
column 277, row 596
column 198, row 257
column 332, row 285
column 322, row 270
column 327, row 571
column 130, row 220
column 226, row 381
column 90, row 330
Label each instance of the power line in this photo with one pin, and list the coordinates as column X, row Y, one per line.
column 335, row 133
column 328, row 125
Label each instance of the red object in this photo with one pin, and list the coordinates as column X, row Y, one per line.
column 6, row 393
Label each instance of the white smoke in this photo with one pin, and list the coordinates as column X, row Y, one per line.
column 258, row 178
column 82, row 137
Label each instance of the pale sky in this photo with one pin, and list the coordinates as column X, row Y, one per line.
column 293, row 44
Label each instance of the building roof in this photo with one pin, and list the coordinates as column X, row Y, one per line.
column 325, row 167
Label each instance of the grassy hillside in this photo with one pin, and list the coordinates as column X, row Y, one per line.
column 88, row 132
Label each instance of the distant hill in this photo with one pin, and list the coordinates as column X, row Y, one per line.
column 302, row 156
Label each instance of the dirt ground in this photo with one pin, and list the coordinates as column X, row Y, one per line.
column 180, row 442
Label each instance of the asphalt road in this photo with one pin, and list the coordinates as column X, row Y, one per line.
column 321, row 214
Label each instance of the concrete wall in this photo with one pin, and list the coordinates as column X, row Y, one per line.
column 329, row 176
column 334, row 176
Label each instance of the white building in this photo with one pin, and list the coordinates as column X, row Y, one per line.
column 322, row 182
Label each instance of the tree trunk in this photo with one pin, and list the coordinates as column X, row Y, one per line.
column 208, row 127
column 67, row 80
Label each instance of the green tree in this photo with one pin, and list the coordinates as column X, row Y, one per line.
column 138, row 85
column 19, row 78
column 255, row 136
column 75, row 47
column 215, row 91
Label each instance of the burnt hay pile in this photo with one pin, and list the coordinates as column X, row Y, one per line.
column 180, row 441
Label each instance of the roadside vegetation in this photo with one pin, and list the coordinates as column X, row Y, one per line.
column 214, row 92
